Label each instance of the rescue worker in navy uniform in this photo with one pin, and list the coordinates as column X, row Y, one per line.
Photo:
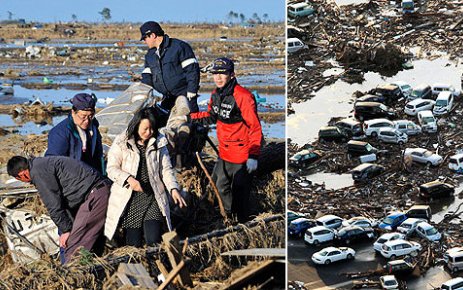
column 171, row 67
column 234, row 110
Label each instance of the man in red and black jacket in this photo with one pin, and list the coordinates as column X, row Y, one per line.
column 234, row 110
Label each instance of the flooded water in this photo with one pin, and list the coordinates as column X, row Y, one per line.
column 331, row 180
column 336, row 100
column 445, row 206
column 24, row 128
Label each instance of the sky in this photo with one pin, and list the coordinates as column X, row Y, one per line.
column 182, row 11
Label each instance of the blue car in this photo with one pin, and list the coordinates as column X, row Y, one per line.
column 300, row 225
column 392, row 221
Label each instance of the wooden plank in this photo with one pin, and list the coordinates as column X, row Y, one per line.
column 172, row 244
column 252, row 272
column 135, row 275
column 172, row 275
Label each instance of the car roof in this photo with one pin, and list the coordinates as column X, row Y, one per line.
column 453, row 281
column 457, row 156
column 441, row 85
column 349, row 121
column 412, row 220
column 379, row 120
column 363, row 166
column 351, row 227
column 300, row 220
column 298, row 5
column 425, row 113
column 318, row 228
column 420, row 206
column 293, row 39
column 357, row 218
column 356, row 142
column 396, row 242
column 368, row 104
column 400, row 83
column 390, row 129
column 389, row 278
column 327, row 217
column 387, row 86
column 402, row 121
column 420, row 150
column 444, row 95
column 396, row 262
column 330, row 249
column 395, row 214
column 389, row 235
column 421, row 87
column 328, row 128
column 418, row 101
column 425, row 226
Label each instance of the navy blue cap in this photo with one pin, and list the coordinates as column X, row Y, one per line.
column 84, row 101
column 222, row 65
column 151, row 27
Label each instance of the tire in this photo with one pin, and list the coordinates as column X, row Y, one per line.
column 374, row 134
column 401, row 143
column 315, row 242
column 429, row 163
column 454, row 269
column 327, row 262
column 349, row 257
column 393, row 257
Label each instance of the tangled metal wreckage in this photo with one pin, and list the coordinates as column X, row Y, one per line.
column 372, row 36
column 208, row 251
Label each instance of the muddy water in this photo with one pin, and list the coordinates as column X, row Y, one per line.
column 445, row 206
column 331, row 180
column 336, row 100
column 25, row 128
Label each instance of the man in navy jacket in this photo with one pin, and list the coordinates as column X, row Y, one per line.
column 78, row 136
column 171, row 67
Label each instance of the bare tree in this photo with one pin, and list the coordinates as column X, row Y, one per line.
column 230, row 16
column 265, row 16
column 10, row 15
column 74, row 17
column 242, row 17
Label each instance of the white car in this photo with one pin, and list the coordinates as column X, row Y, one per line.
column 393, row 249
column 330, row 221
column 409, row 225
column 333, row 254
column 392, row 135
column 407, row 127
column 372, row 127
column 427, row 121
column 389, row 282
column 428, row 232
column 360, row 221
column 438, row 88
column 318, row 234
column 424, row 156
column 456, row 162
column 453, row 284
column 412, row 108
column 444, row 103
column 386, row 238
column 294, row 44
column 404, row 87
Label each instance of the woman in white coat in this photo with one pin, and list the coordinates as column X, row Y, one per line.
column 139, row 165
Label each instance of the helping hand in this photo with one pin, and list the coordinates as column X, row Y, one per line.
column 178, row 199
column 134, row 184
column 63, row 239
column 190, row 96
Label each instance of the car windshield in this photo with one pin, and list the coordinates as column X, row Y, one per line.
column 406, row 87
column 293, row 226
column 388, row 221
column 416, row 93
column 406, row 226
column 431, row 232
column 381, row 241
column 390, row 283
column 428, row 119
column 445, row 287
column 323, row 253
column 454, row 161
column 441, row 103
column 409, row 106
column 297, row 156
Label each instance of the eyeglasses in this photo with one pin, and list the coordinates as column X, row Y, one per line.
column 85, row 117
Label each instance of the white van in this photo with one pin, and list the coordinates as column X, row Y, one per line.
column 427, row 121
column 294, row 44
column 438, row 88
column 453, row 284
column 454, row 258
column 300, row 9
column 444, row 103
column 456, row 162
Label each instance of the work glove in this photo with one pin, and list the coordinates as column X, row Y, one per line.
column 251, row 165
column 190, row 96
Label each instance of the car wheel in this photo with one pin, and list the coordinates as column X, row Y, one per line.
column 349, row 257
column 414, row 253
column 429, row 163
column 315, row 242
column 454, row 269
column 401, row 143
column 374, row 134
column 327, row 262
column 393, row 257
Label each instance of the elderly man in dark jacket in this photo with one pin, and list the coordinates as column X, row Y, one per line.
column 78, row 136
column 75, row 195
column 171, row 67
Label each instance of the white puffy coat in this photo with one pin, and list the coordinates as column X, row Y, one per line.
column 123, row 162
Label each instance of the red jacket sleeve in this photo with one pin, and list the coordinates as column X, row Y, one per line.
column 206, row 118
column 247, row 105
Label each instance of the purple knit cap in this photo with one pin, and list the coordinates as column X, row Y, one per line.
column 84, row 101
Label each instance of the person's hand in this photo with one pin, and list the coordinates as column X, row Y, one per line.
column 190, row 96
column 63, row 239
column 251, row 165
column 178, row 199
column 134, row 184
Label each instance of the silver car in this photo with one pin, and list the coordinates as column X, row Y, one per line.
column 391, row 135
